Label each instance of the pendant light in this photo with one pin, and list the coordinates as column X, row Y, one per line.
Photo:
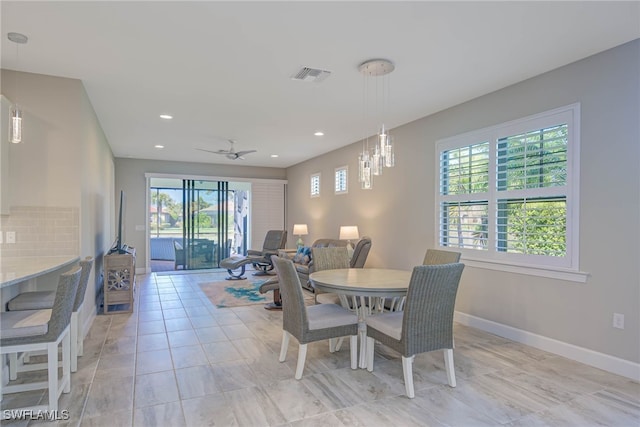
column 15, row 129
column 381, row 155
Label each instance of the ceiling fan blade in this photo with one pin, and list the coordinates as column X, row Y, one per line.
column 242, row 153
column 211, row 151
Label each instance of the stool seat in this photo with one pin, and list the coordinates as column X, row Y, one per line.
column 15, row 324
column 35, row 300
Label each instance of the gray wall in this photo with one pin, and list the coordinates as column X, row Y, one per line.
column 64, row 161
column 130, row 177
column 399, row 212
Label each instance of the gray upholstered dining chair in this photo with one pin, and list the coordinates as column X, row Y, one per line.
column 310, row 324
column 431, row 257
column 330, row 258
column 425, row 325
column 40, row 300
column 437, row 256
column 35, row 330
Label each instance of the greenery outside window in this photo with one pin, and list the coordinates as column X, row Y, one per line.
column 508, row 195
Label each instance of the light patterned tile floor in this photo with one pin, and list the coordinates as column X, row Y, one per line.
column 177, row 360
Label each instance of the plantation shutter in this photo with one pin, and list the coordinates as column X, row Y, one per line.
column 531, row 185
column 341, row 180
column 267, row 210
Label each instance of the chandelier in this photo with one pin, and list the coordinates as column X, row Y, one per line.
column 379, row 154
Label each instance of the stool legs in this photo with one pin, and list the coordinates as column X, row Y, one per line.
column 74, row 341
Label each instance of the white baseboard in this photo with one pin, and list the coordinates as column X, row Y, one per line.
column 88, row 322
column 602, row 361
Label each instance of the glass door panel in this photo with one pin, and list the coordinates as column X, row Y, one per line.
column 196, row 223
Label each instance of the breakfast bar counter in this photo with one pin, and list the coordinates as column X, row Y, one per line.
column 14, row 270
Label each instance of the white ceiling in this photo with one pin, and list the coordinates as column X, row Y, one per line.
column 222, row 69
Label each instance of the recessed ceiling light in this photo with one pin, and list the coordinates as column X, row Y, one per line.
column 159, row 146
column 319, row 133
column 274, row 155
column 166, row 116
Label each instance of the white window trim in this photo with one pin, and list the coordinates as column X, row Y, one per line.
column 311, row 177
column 502, row 262
column 346, row 179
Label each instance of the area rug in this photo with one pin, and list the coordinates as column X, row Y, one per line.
column 235, row 293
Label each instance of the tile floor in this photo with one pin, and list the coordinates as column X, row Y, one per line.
column 180, row 361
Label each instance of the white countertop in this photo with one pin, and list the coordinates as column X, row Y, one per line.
column 14, row 270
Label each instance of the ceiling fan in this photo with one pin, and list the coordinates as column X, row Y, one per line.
column 231, row 153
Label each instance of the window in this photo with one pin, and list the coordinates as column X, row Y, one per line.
column 341, row 180
column 508, row 194
column 315, row 185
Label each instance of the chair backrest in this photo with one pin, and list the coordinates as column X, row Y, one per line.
column 86, row 265
column 436, row 256
column 427, row 322
column 360, row 252
column 294, row 313
column 274, row 240
column 330, row 258
column 63, row 303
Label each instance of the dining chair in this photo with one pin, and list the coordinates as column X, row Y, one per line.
column 35, row 330
column 425, row 325
column 330, row 258
column 40, row 300
column 431, row 257
column 437, row 256
column 313, row 323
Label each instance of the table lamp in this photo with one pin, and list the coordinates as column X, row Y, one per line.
column 349, row 232
column 300, row 230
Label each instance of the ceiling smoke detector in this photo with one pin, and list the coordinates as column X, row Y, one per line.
column 307, row 74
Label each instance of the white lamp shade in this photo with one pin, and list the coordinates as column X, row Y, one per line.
column 349, row 232
column 300, row 230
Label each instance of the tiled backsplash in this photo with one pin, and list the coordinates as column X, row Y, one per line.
column 41, row 231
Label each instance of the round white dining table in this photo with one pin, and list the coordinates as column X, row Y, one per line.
column 370, row 282
column 378, row 283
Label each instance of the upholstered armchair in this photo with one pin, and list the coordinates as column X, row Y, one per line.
column 261, row 259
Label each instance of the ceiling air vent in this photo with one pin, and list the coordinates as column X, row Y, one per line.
column 307, row 74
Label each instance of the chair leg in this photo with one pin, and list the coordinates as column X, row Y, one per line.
column 332, row 345
column 79, row 332
column 67, row 359
column 284, row 346
column 370, row 345
column 13, row 366
column 52, row 375
column 80, row 342
column 339, row 343
column 407, row 370
column 74, row 342
column 353, row 348
column 302, row 356
column 448, row 363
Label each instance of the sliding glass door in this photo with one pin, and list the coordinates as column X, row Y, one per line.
column 196, row 223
